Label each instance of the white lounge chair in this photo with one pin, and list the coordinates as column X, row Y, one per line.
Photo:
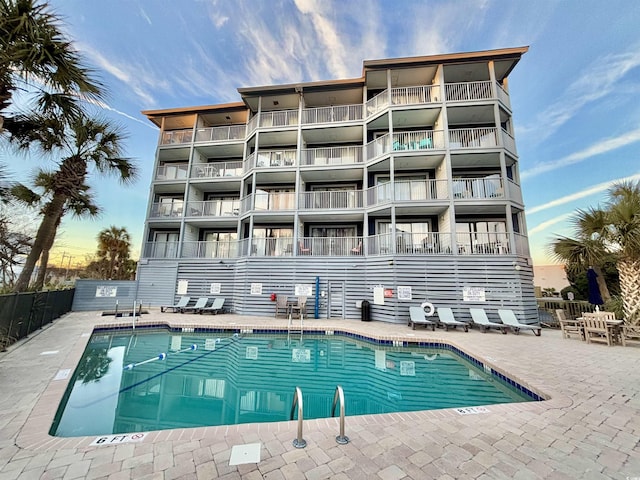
column 200, row 304
column 418, row 317
column 215, row 308
column 480, row 318
column 509, row 318
column 446, row 318
column 183, row 302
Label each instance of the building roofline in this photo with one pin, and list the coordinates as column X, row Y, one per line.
column 188, row 110
column 295, row 87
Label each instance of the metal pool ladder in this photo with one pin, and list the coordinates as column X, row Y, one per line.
column 342, row 439
column 298, row 442
column 290, row 326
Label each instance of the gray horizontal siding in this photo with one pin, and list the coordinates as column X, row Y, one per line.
column 438, row 279
column 85, row 297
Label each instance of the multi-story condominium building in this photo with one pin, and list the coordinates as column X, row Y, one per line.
column 398, row 187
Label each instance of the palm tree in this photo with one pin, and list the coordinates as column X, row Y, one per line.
column 36, row 56
column 113, row 248
column 610, row 232
column 81, row 142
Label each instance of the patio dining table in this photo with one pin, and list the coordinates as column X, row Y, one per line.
column 613, row 325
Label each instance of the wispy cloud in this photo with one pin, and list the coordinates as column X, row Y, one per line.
column 545, row 225
column 598, row 148
column 597, row 80
column 581, row 194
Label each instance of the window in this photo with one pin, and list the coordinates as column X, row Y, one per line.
column 409, row 236
column 220, row 244
column 481, row 237
column 272, row 242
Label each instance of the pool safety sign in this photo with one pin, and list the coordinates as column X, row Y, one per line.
column 119, row 439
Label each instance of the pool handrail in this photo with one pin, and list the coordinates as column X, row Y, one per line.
column 341, row 439
column 298, row 442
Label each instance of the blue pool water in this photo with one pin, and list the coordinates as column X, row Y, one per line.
column 133, row 382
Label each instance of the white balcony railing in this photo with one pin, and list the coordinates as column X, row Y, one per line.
column 331, row 156
column 418, row 140
column 210, row 249
column 334, row 114
column 508, row 142
column 503, row 95
column 377, row 103
column 433, row 243
column 330, row 246
column 176, row 137
column 272, row 159
column 407, row 190
column 221, row 134
column 217, row 169
column 465, row 91
column 483, row 243
column 172, row 171
column 514, row 190
column 213, row 208
column 474, row 188
column 271, row 247
column 160, row 250
column 415, row 95
column 473, row 138
column 267, row 201
column 167, row 209
column 333, row 200
column 280, row 118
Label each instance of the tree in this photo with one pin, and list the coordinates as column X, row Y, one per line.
column 81, row 143
column 14, row 246
column 36, row 56
column 114, row 250
column 609, row 233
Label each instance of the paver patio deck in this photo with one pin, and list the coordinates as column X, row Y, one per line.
column 589, row 428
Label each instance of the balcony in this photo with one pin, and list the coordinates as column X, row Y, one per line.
column 334, row 114
column 272, row 159
column 175, row 137
column 171, row 209
column 331, row 200
column 330, row 246
column 483, row 243
column 467, row 91
column 425, row 140
column 473, row 138
column 331, row 156
column 407, row 190
column 214, row 208
column 417, row 95
column 433, row 243
column 475, row 188
column 160, row 250
column 221, row 134
column 172, row 171
column 280, row 118
column 509, row 142
column 270, row 247
column 210, row 249
column 218, row 169
column 266, row 201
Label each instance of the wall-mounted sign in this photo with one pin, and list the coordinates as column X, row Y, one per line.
column 301, row 355
column 473, row 294
column 183, row 285
column 404, row 293
column 303, row 290
column 215, row 288
column 378, row 295
column 256, row 289
column 106, row 291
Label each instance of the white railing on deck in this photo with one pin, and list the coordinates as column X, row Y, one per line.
column 217, row 169
column 280, row 118
column 167, row 209
column 503, row 95
column 333, row 114
column 514, row 190
column 264, row 201
column 213, row 208
column 329, row 246
column 271, row 247
column 473, row 138
column 464, row 91
column 337, row 199
column 377, row 103
column 160, row 250
column 176, row 136
column 252, row 124
column 478, row 188
column 508, row 142
column 331, row 156
column 483, row 243
column 272, row 158
column 415, row 95
column 221, row 134
column 408, row 190
column 418, row 140
column 172, row 171
column 210, row 249
column 522, row 244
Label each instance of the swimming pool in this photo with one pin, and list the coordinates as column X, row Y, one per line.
column 162, row 379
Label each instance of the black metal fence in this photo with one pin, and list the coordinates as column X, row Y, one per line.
column 23, row 313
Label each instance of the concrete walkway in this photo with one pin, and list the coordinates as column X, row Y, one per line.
column 589, row 428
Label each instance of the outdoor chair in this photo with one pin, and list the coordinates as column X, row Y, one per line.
column 596, row 328
column 215, row 308
column 183, row 302
column 299, row 309
column 199, row 305
column 630, row 333
column 281, row 305
column 357, row 250
column 302, row 249
column 418, row 317
column 569, row 327
column 509, row 318
column 480, row 318
column 446, row 318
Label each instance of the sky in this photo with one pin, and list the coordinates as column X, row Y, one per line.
column 574, row 95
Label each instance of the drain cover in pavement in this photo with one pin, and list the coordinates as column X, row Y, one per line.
column 241, row 454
